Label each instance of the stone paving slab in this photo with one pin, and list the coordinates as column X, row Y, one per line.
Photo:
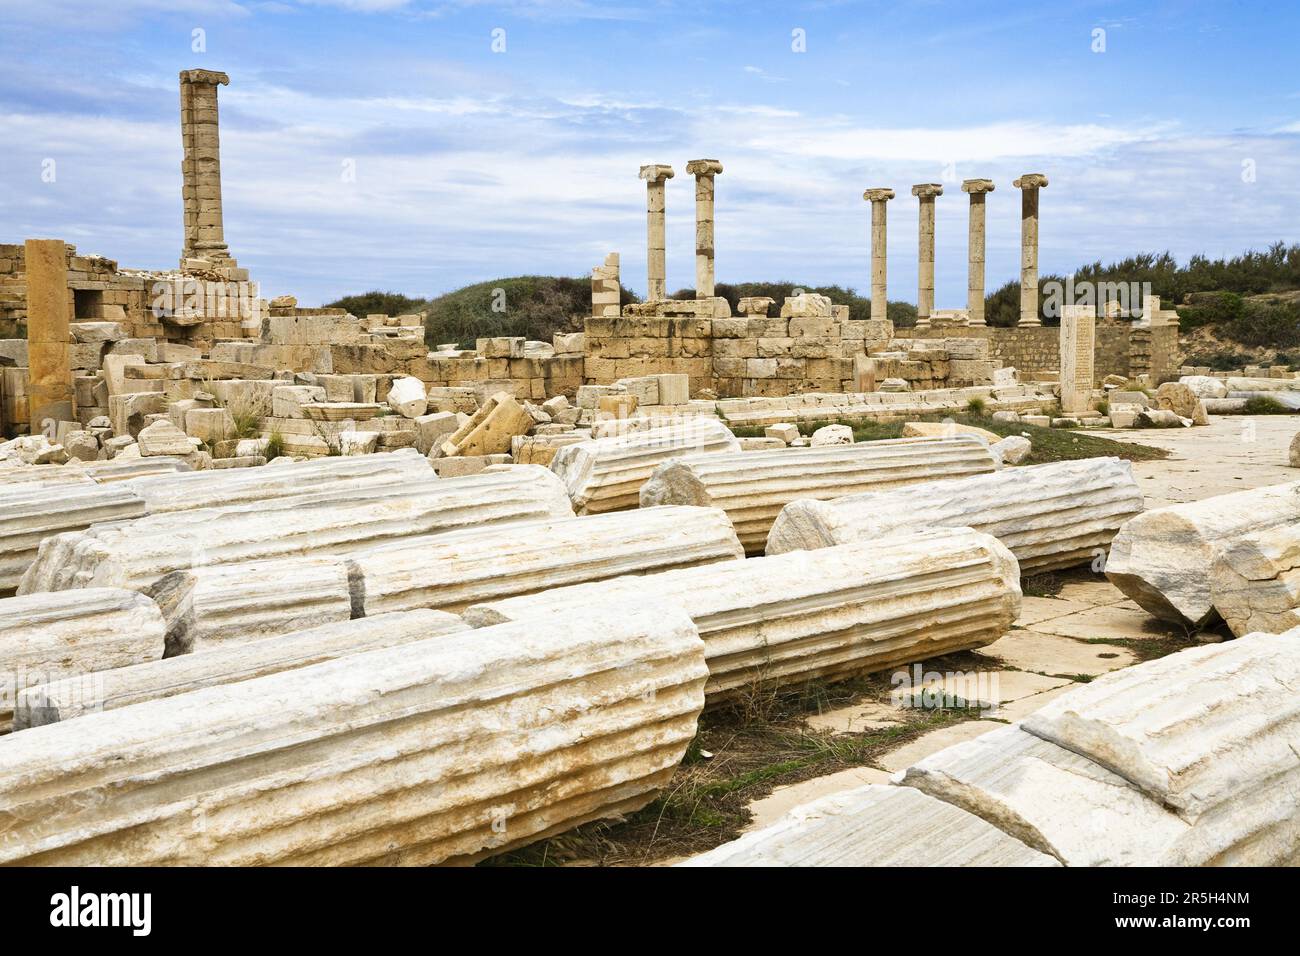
column 1098, row 593
column 856, row 718
column 1109, row 623
column 1030, row 650
column 1036, row 609
column 775, row 805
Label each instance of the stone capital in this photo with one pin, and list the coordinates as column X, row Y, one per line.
column 977, row 186
column 1031, row 181
column 656, row 172
column 927, row 190
column 704, row 167
column 878, row 194
column 210, row 77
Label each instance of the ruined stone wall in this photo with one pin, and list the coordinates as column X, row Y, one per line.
column 1120, row 349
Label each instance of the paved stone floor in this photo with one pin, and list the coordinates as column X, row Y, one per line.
column 1050, row 650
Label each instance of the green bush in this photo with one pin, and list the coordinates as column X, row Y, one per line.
column 1265, row 405
column 535, row 307
column 374, row 301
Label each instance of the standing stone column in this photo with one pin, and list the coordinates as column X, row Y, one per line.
column 879, row 304
column 605, row 289
column 704, row 170
column 205, row 240
column 978, row 189
column 49, row 308
column 925, row 192
column 1029, row 184
column 655, row 176
column 1078, row 330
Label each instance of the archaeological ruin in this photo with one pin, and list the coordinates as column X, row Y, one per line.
column 286, row 585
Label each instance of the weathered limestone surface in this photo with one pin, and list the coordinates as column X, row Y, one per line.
column 1052, row 799
column 136, row 683
column 1050, row 516
column 135, row 554
column 443, row 750
column 335, row 477
column 209, row 607
column 446, row 572
column 879, row 251
column 1208, row 732
column 33, row 514
column 1255, row 581
column 831, row 612
column 875, row 826
column 606, row 474
column 753, row 487
column 1163, row 559
column 453, row 571
column 51, row 637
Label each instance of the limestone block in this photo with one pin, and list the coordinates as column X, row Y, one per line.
column 129, row 412
column 1050, row 516
column 785, row 431
column 1204, row 386
column 567, row 722
column 1209, row 733
column 1182, row 401
column 933, row 429
column 332, row 520
column 287, row 400
column 875, row 825
column 52, row 637
column 1255, row 580
column 816, row 614
column 353, row 443
column 674, row 388
column 407, row 397
column 1163, row 559
column 806, row 304
column 209, row 425
column 1013, row 449
column 164, row 438
column 832, row 435
column 226, row 664
column 432, row 429
column 81, row 445
column 490, row 429
column 753, row 487
column 1056, row 801
column 606, row 474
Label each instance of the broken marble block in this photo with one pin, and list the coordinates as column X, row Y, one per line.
column 489, row 430
column 164, row 438
column 1163, row 558
column 753, row 487
column 156, row 679
column 363, row 759
column 875, row 825
column 1051, row 516
column 606, row 474
column 72, row 636
column 408, row 397
column 1209, row 733
column 822, row 614
column 1255, row 581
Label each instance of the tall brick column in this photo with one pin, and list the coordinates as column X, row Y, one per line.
column 704, row 170
column 49, row 306
column 655, row 176
column 1029, row 184
column 925, row 192
column 978, row 189
column 879, row 304
column 205, row 240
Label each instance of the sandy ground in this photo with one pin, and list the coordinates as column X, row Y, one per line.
column 1048, row 650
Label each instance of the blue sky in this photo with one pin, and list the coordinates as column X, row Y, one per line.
column 1184, row 134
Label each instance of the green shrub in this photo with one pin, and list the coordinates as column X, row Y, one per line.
column 374, row 301
column 1265, row 405
column 274, row 445
column 975, row 406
